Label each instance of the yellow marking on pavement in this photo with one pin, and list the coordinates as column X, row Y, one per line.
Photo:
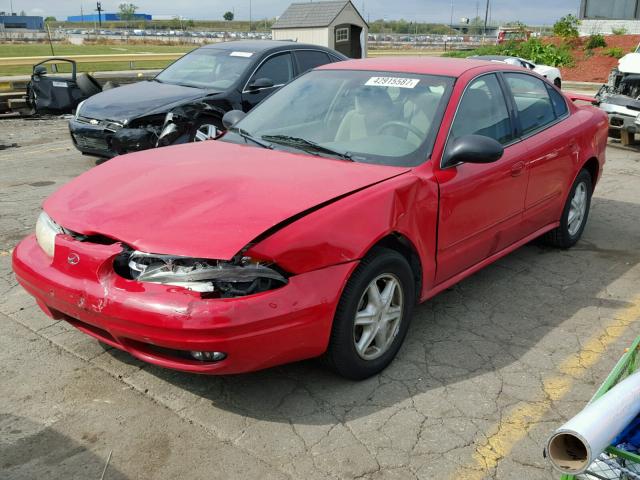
column 515, row 425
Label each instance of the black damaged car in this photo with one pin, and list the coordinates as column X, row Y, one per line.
column 186, row 101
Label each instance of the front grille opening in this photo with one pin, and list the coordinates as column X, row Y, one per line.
column 92, row 330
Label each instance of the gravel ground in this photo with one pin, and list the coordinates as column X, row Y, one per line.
column 489, row 369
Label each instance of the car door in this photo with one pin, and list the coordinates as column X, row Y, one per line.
column 278, row 69
column 481, row 205
column 550, row 147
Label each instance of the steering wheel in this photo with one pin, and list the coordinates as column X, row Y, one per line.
column 405, row 125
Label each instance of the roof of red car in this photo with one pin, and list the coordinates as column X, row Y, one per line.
column 452, row 67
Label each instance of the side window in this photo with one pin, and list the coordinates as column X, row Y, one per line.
column 532, row 101
column 278, row 69
column 558, row 102
column 308, row 59
column 483, row 111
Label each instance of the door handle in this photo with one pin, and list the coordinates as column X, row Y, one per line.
column 517, row 169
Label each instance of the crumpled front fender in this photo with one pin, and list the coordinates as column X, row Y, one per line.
column 347, row 229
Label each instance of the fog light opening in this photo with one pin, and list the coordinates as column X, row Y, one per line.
column 208, row 356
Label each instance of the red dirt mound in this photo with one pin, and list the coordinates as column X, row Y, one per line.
column 596, row 67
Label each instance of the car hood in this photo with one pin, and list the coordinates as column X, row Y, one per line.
column 545, row 70
column 204, row 200
column 137, row 100
column 630, row 63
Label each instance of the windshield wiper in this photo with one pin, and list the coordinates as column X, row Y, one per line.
column 247, row 136
column 306, row 145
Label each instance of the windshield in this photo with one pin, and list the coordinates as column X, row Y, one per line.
column 207, row 68
column 387, row 118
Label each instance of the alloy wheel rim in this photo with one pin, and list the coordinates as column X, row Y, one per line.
column 205, row 132
column 577, row 209
column 377, row 319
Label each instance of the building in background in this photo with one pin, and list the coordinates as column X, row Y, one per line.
column 335, row 24
column 20, row 22
column 598, row 16
column 106, row 17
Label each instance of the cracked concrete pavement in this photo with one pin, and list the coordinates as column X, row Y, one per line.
column 470, row 395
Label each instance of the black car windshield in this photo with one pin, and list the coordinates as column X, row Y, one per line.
column 388, row 118
column 209, row 68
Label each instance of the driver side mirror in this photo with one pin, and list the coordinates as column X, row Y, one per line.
column 472, row 149
column 259, row 84
column 231, row 118
column 40, row 70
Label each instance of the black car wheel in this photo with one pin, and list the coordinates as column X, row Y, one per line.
column 574, row 215
column 373, row 315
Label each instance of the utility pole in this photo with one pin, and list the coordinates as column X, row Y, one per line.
column 250, row 19
column 99, row 10
column 486, row 16
column 451, row 19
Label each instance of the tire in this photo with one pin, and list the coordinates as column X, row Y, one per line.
column 557, row 82
column 203, row 128
column 380, row 268
column 566, row 235
column 87, row 84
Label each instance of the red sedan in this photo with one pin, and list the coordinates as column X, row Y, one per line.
column 319, row 220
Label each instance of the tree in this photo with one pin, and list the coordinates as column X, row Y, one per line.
column 191, row 23
column 566, row 27
column 127, row 11
column 51, row 19
column 228, row 16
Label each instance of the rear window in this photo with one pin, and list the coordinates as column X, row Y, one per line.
column 532, row 101
column 558, row 102
column 308, row 59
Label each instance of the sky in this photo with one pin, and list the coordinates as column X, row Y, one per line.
column 437, row 11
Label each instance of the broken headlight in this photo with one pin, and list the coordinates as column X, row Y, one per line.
column 238, row 277
column 46, row 231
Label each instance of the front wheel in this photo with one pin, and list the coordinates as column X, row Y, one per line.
column 204, row 130
column 373, row 315
column 574, row 215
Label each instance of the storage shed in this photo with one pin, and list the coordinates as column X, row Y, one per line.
column 333, row 24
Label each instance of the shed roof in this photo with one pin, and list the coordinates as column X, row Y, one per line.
column 313, row 14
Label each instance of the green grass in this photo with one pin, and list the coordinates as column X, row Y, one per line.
column 61, row 50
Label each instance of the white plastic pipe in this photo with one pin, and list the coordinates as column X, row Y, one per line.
column 575, row 445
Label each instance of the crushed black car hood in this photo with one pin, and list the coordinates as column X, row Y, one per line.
column 137, row 100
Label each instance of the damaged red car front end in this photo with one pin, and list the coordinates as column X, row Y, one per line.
column 86, row 280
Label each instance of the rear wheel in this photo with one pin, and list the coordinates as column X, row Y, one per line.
column 574, row 215
column 373, row 315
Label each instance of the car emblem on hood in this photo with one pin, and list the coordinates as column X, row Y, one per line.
column 73, row 258
column 93, row 121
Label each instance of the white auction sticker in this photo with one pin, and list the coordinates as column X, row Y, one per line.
column 241, row 54
column 393, row 82
column 59, row 84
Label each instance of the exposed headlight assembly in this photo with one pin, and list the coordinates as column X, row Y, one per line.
column 78, row 108
column 238, row 277
column 46, row 231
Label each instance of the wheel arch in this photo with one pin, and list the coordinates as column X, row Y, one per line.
column 593, row 167
column 405, row 247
